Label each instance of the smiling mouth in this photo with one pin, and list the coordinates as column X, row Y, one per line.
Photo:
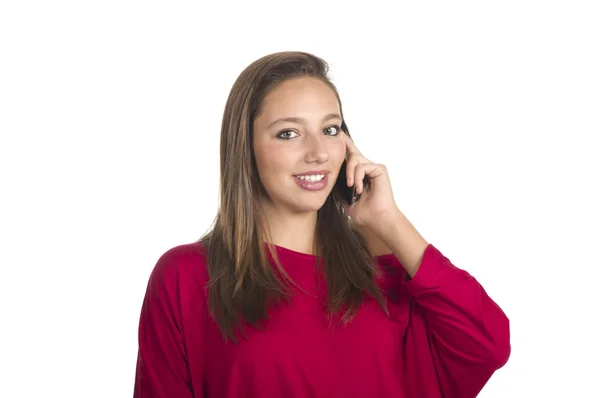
column 311, row 178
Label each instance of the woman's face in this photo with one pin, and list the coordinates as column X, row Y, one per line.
column 298, row 144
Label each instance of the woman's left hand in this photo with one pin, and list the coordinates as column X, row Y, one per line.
column 376, row 202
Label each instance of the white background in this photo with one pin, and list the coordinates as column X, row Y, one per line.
column 487, row 115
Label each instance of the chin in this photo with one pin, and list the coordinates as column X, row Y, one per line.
column 314, row 204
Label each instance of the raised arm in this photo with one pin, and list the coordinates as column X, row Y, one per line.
column 469, row 333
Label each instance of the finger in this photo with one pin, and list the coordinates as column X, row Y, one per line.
column 363, row 170
column 359, row 176
column 351, row 164
column 353, row 161
column 350, row 147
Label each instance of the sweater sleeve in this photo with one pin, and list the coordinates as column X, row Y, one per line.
column 162, row 365
column 468, row 333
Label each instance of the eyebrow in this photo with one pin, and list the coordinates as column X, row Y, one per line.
column 299, row 120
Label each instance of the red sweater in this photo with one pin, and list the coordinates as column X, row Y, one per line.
column 444, row 337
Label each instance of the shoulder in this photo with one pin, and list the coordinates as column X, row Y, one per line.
column 179, row 268
column 172, row 312
column 182, row 256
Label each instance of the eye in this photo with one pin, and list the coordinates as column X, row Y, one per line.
column 286, row 134
column 332, row 130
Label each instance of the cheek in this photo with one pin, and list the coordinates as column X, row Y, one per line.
column 269, row 166
column 337, row 152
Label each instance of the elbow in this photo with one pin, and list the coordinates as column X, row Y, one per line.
column 499, row 349
column 500, row 356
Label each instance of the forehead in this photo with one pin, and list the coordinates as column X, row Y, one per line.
column 304, row 95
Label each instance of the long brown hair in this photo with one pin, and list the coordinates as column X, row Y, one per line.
column 243, row 284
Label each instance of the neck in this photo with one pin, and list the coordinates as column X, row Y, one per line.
column 294, row 231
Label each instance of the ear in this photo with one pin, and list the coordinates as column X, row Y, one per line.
column 340, row 201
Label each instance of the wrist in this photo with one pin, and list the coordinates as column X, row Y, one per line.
column 387, row 223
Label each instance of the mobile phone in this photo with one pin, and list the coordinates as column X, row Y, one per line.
column 347, row 193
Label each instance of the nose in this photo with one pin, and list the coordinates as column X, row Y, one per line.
column 317, row 150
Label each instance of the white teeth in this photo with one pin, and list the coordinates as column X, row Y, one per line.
column 312, row 178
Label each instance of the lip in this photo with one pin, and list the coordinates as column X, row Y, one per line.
column 312, row 185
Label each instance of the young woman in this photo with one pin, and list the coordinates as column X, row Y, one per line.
column 295, row 292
